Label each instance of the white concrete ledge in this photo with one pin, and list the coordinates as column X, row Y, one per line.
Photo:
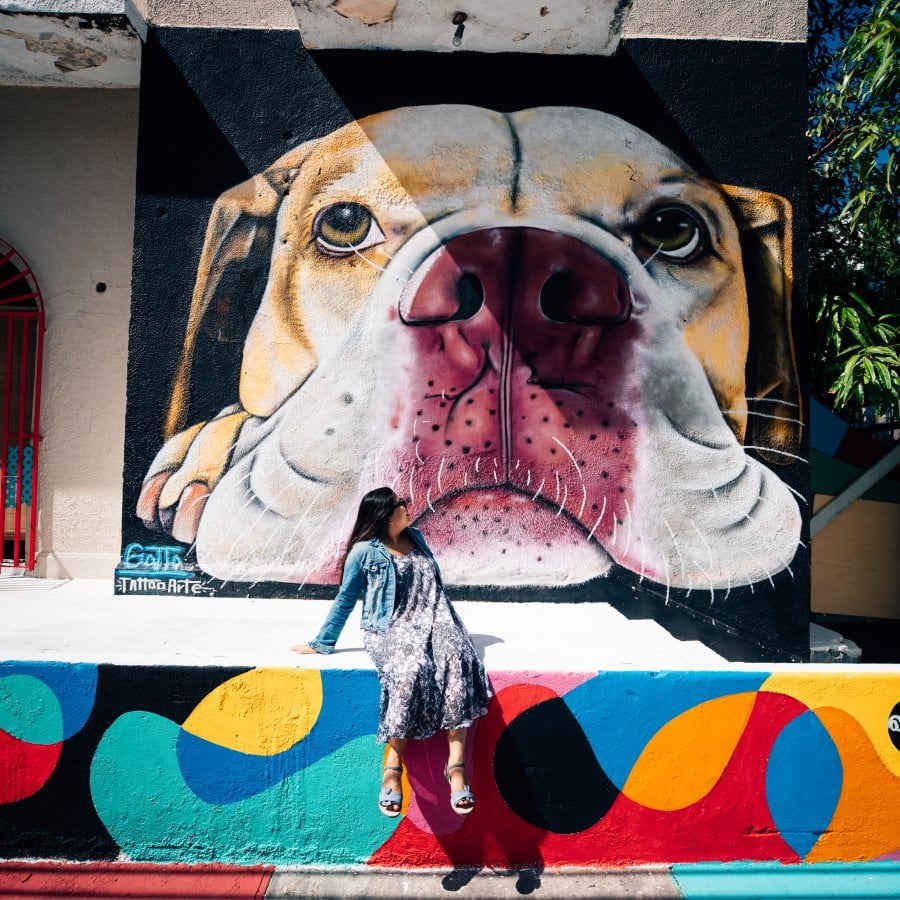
column 82, row 621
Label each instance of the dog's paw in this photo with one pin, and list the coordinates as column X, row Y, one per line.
column 184, row 473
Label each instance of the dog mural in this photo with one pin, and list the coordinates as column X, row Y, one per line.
column 563, row 346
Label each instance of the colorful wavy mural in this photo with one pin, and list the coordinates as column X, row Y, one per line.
column 610, row 768
column 40, row 707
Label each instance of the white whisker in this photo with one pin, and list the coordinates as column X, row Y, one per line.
column 428, row 499
column 765, row 568
column 599, row 519
column 289, row 544
column 465, row 479
column 758, row 530
column 242, row 532
column 702, row 537
column 303, row 548
column 771, row 400
column 711, row 561
column 412, row 495
column 776, row 450
column 528, row 478
column 628, row 533
column 580, row 475
column 666, row 564
column 418, row 456
column 615, row 532
column 260, row 552
column 477, row 464
column 565, row 497
column 797, row 494
column 517, row 465
column 677, row 548
column 690, row 586
column 750, row 412
column 379, row 268
column 440, row 472
column 391, row 258
column 540, row 488
column 556, row 498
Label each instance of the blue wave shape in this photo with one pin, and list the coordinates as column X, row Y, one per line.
column 220, row 775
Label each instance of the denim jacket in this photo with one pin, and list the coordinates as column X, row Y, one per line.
column 368, row 566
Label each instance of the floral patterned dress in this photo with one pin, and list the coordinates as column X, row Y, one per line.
column 430, row 674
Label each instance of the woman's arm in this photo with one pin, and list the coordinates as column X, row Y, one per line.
column 353, row 582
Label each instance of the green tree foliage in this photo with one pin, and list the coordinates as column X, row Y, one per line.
column 854, row 129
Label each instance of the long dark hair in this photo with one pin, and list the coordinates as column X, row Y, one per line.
column 375, row 509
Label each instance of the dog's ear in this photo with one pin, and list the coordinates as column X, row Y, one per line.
column 773, row 394
column 231, row 275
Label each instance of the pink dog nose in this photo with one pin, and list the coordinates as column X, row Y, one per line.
column 517, row 268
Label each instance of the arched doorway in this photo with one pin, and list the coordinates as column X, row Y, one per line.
column 21, row 348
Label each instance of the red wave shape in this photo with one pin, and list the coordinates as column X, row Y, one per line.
column 24, row 767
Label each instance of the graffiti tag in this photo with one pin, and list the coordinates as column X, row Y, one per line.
column 161, row 560
column 144, row 584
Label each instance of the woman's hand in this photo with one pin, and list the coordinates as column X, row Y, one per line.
column 304, row 648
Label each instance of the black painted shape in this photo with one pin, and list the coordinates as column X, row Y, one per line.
column 548, row 774
column 59, row 821
column 613, row 84
column 181, row 150
column 261, row 88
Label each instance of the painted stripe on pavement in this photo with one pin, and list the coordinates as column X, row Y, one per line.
column 113, row 879
column 774, row 881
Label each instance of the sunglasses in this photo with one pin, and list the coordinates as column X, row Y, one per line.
column 399, row 502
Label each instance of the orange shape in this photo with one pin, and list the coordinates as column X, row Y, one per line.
column 865, row 823
column 868, row 697
column 686, row 757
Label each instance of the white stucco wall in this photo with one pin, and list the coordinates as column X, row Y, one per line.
column 67, row 163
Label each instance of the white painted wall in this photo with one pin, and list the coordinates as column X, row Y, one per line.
column 67, row 163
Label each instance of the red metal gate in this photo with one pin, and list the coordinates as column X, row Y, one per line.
column 21, row 356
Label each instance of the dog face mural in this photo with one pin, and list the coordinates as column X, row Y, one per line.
column 536, row 327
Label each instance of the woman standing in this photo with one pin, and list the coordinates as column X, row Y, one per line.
column 430, row 674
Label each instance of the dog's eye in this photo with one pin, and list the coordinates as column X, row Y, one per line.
column 672, row 232
column 344, row 227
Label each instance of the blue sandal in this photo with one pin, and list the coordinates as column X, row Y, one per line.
column 457, row 797
column 388, row 797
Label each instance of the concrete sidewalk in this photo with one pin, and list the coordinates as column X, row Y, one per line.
column 760, row 881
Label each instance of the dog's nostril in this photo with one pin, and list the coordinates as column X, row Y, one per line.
column 557, row 296
column 469, row 295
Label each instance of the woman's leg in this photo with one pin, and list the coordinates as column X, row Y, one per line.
column 393, row 761
column 456, row 743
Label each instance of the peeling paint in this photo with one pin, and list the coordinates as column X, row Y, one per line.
column 70, row 55
column 369, row 12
